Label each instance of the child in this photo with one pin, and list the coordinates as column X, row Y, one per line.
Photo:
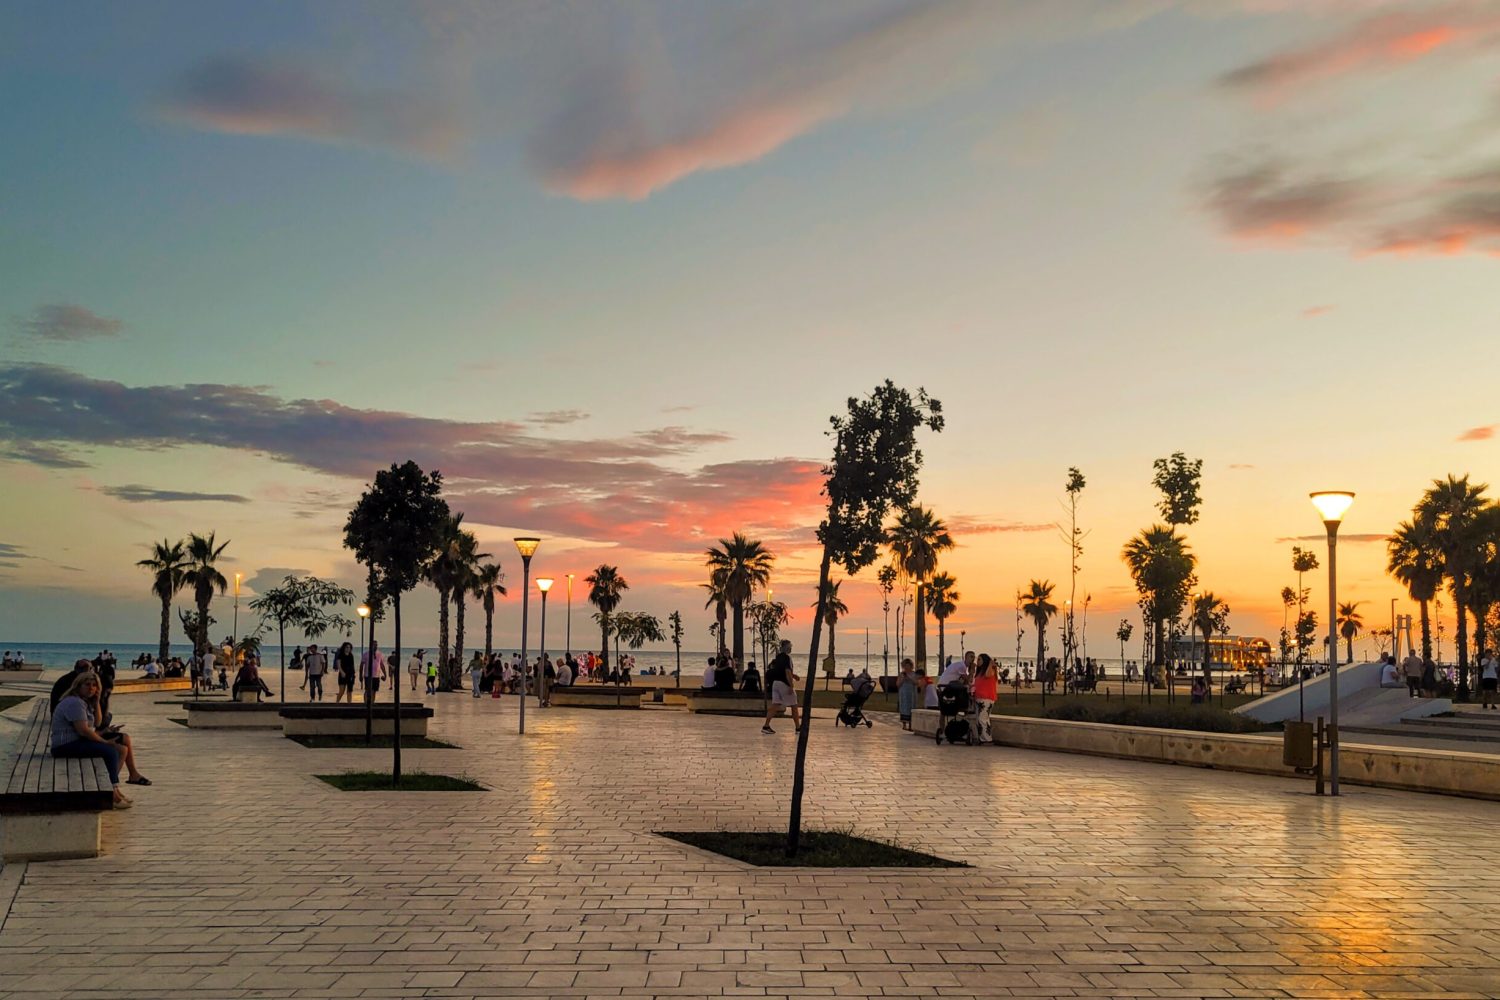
column 431, row 677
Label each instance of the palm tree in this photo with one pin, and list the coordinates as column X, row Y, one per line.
column 833, row 609
column 1037, row 605
column 1350, row 625
column 204, row 577
column 167, row 563
column 489, row 580
column 441, row 573
column 942, row 601
column 606, row 588
column 915, row 540
column 1416, row 563
column 746, row 564
column 1208, row 616
column 1161, row 564
column 466, row 556
column 718, row 599
column 1453, row 506
column 1484, row 585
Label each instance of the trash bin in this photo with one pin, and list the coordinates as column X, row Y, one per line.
column 1297, row 745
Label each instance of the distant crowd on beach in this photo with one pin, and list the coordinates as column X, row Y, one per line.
column 14, row 661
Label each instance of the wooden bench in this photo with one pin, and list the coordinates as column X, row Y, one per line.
column 597, row 696
column 233, row 715
column 343, row 719
column 704, row 701
column 50, row 806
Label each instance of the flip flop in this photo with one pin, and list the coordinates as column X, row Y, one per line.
column 138, row 781
column 123, row 803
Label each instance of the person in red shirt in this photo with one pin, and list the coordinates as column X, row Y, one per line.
column 986, row 690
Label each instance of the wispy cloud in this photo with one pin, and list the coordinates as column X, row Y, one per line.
column 46, row 456
column 1312, row 312
column 245, row 96
column 556, row 418
column 1479, row 433
column 1381, row 42
column 968, row 524
column 135, row 493
column 65, row 322
column 11, row 555
column 627, row 488
column 1355, row 537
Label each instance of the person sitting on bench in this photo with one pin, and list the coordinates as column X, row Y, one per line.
column 74, row 735
column 248, row 679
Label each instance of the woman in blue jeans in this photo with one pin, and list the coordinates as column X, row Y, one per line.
column 74, row 735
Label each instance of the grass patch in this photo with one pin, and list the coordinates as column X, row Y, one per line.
column 411, row 781
column 818, row 849
column 1196, row 718
column 377, row 742
column 12, row 700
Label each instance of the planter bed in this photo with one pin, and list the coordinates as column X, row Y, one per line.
column 597, row 696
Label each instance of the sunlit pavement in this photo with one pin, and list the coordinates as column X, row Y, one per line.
column 239, row 874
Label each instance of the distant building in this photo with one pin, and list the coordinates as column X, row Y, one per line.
column 1225, row 652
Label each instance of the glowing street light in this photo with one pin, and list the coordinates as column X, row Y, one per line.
column 1332, row 504
column 237, row 578
column 527, row 548
column 364, row 613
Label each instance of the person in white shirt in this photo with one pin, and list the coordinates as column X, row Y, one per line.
column 564, row 674
column 708, row 673
column 953, row 673
column 1489, row 678
column 414, row 667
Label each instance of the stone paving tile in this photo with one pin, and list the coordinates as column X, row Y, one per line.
column 240, row 875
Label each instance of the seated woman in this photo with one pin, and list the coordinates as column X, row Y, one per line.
column 74, row 735
column 750, row 683
column 724, row 674
column 1199, row 691
column 248, row 679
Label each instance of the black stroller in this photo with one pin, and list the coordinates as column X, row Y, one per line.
column 853, row 712
column 953, row 721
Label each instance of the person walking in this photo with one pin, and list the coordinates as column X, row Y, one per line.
column 414, row 667
column 373, row 669
column 476, row 673
column 314, row 666
column 1489, row 678
column 906, row 693
column 1411, row 669
column 781, row 677
column 432, row 678
column 986, row 691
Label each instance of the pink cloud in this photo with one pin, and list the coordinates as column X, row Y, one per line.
column 1313, row 311
column 1479, row 433
column 1376, row 43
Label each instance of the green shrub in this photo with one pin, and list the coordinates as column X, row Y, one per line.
column 1197, row 718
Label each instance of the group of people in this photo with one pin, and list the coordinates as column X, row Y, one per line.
column 14, row 661
column 82, row 726
column 1424, row 679
column 978, row 674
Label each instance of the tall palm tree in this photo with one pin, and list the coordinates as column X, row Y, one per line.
column 606, row 589
column 1415, row 562
column 746, row 564
column 942, row 601
column 1161, row 564
column 718, row 599
column 1484, row 584
column 833, row 609
column 915, row 540
column 1350, row 624
column 167, row 564
column 204, row 578
column 489, row 581
column 1208, row 616
column 1454, row 506
column 442, row 573
column 466, row 556
column 1037, row 605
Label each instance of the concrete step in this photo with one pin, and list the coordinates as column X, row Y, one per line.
column 1460, row 721
column 1480, row 715
column 1457, row 734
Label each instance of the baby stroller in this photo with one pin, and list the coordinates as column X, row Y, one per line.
column 953, row 721
column 852, row 714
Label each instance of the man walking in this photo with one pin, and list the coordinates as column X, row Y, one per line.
column 373, row 669
column 1411, row 668
column 780, row 676
column 314, row 666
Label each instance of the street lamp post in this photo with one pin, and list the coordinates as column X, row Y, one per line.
column 544, row 584
column 527, row 548
column 568, row 639
column 1332, row 504
column 364, row 613
column 236, row 642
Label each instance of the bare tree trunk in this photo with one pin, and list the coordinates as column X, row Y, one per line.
column 739, row 635
column 396, row 694
column 919, row 633
column 799, row 769
column 443, row 647
column 489, row 631
column 166, row 629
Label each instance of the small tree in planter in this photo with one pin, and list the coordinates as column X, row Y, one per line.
column 303, row 603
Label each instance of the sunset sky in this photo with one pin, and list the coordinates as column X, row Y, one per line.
column 610, row 268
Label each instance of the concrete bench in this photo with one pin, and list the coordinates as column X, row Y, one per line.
column 349, row 720
column 50, row 806
column 137, row 685
column 597, row 696
column 19, row 675
column 233, row 715
column 703, row 701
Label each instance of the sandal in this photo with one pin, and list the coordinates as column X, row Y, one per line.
column 123, row 803
column 139, row 781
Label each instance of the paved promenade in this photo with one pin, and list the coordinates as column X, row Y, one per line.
column 240, row 875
